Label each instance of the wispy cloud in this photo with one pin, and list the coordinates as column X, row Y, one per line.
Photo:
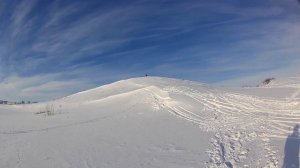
column 86, row 44
column 20, row 14
column 58, row 15
column 38, row 87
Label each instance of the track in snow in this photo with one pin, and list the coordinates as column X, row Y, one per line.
column 246, row 117
column 242, row 123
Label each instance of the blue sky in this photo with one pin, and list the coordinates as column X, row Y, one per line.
column 49, row 49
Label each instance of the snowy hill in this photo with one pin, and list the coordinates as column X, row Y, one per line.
column 154, row 122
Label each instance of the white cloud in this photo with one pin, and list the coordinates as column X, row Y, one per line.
column 57, row 14
column 39, row 87
column 263, row 39
column 20, row 13
column 56, row 85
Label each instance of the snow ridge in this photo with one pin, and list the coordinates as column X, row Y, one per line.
column 241, row 122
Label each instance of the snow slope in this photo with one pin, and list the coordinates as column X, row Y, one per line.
column 154, row 122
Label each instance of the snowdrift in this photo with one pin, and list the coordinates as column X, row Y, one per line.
column 155, row 122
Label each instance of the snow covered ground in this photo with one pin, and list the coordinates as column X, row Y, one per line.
column 156, row 122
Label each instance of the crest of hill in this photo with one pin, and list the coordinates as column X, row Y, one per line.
column 129, row 85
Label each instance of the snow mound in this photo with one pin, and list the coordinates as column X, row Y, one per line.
column 154, row 122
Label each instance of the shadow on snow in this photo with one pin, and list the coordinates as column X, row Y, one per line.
column 291, row 149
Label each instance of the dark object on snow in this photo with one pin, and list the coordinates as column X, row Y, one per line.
column 146, row 75
column 268, row 80
column 291, row 149
column 3, row 102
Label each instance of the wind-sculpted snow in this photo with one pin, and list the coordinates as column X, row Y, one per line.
column 229, row 114
column 154, row 122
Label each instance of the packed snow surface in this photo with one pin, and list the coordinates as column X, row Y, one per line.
column 156, row 122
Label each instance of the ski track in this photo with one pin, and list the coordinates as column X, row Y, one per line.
column 294, row 95
column 243, row 115
column 238, row 120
